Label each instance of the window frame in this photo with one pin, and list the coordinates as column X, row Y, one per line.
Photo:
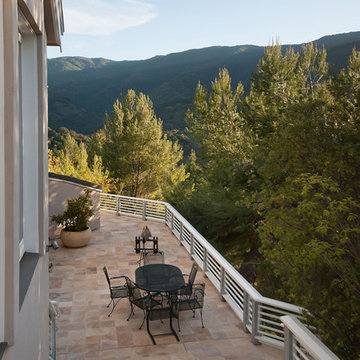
column 28, row 137
column 21, row 155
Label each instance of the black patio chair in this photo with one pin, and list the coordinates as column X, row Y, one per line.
column 153, row 258
column 117, row 292
column 187, row 289
column 145, row 302
column 191, row 302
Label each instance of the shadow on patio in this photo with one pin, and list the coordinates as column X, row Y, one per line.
column 84, row 331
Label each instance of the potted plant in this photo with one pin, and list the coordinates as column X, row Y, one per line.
column 76, row 232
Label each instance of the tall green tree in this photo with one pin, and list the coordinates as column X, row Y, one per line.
column 218, row 203
column 72, row 159
column 278, row 173
column 307, row 160
column 140, row 158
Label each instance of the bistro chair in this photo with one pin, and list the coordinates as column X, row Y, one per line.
column 117, row 292
column 187, row 289
column 154, row 258
column 144, row 302
column 191, row 302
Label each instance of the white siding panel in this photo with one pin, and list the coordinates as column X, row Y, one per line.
column 2, row 183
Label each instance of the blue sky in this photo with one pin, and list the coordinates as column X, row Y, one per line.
column 140, row 29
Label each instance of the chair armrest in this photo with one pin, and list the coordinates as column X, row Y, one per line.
column 118, row 277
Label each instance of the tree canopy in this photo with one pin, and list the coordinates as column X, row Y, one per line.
column 141, row 159
column 277, row 184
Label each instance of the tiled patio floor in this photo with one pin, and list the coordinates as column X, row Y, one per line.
column 84, row 331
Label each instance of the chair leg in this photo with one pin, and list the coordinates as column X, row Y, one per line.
column 113, row 307
column 109, row 303
column 202, row 323
column 131, row 312
column 143, row 320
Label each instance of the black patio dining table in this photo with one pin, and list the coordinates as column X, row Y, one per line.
column 159, row 278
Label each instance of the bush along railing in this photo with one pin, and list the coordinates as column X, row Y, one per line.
column 261, row 316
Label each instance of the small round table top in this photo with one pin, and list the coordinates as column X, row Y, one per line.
column 159, row 278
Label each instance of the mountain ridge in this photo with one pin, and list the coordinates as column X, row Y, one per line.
column 82, row 90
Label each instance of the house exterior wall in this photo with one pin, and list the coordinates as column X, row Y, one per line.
column 59, row 192
column 24, row 318
column 2, row 186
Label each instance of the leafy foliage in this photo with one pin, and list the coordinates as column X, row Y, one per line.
column 77, row 214
column 276, row 186
column 72, row 159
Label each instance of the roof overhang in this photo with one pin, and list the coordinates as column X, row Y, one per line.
column 54, row 21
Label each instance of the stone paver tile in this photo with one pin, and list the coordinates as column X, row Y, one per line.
column 86, row 332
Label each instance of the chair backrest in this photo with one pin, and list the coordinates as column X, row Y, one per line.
column 107, row 276
column 154, row 258
column 134, row 291
column 194, row 301
column 198, row 294
column 145, row 233
column 192, row 274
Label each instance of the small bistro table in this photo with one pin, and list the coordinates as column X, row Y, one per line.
column 159, row 278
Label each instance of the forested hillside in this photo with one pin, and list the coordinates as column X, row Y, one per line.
column 81, row 90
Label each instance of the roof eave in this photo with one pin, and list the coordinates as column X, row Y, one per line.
column 54, row 21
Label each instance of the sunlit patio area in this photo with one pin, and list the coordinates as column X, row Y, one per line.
column 84, row 330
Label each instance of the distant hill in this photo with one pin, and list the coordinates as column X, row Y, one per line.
column 81, row 90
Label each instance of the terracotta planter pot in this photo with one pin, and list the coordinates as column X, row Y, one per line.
column 75, row 239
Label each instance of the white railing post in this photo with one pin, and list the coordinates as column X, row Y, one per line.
column 172, row 222
column 299, row 339
column 191, row 246
column 205, row 265
column 222, row 283
column 288, row 344
column 181, row 234
column 118, row 206
column 144, row 210
column 255, row 322
column 245, row 311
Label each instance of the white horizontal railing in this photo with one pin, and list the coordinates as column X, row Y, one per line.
column 261, row 316
column 301, row 344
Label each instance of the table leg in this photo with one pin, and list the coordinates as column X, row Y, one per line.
column 148, row 327
column 171, row 327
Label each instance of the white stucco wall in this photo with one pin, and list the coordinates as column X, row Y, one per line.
column 32, row 336
column 25, row 328
column 2, row 185
column 59, row 193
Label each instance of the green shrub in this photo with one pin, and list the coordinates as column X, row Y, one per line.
column 77, row 215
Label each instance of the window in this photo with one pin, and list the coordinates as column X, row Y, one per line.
column 28, row 139
column 21, row 155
